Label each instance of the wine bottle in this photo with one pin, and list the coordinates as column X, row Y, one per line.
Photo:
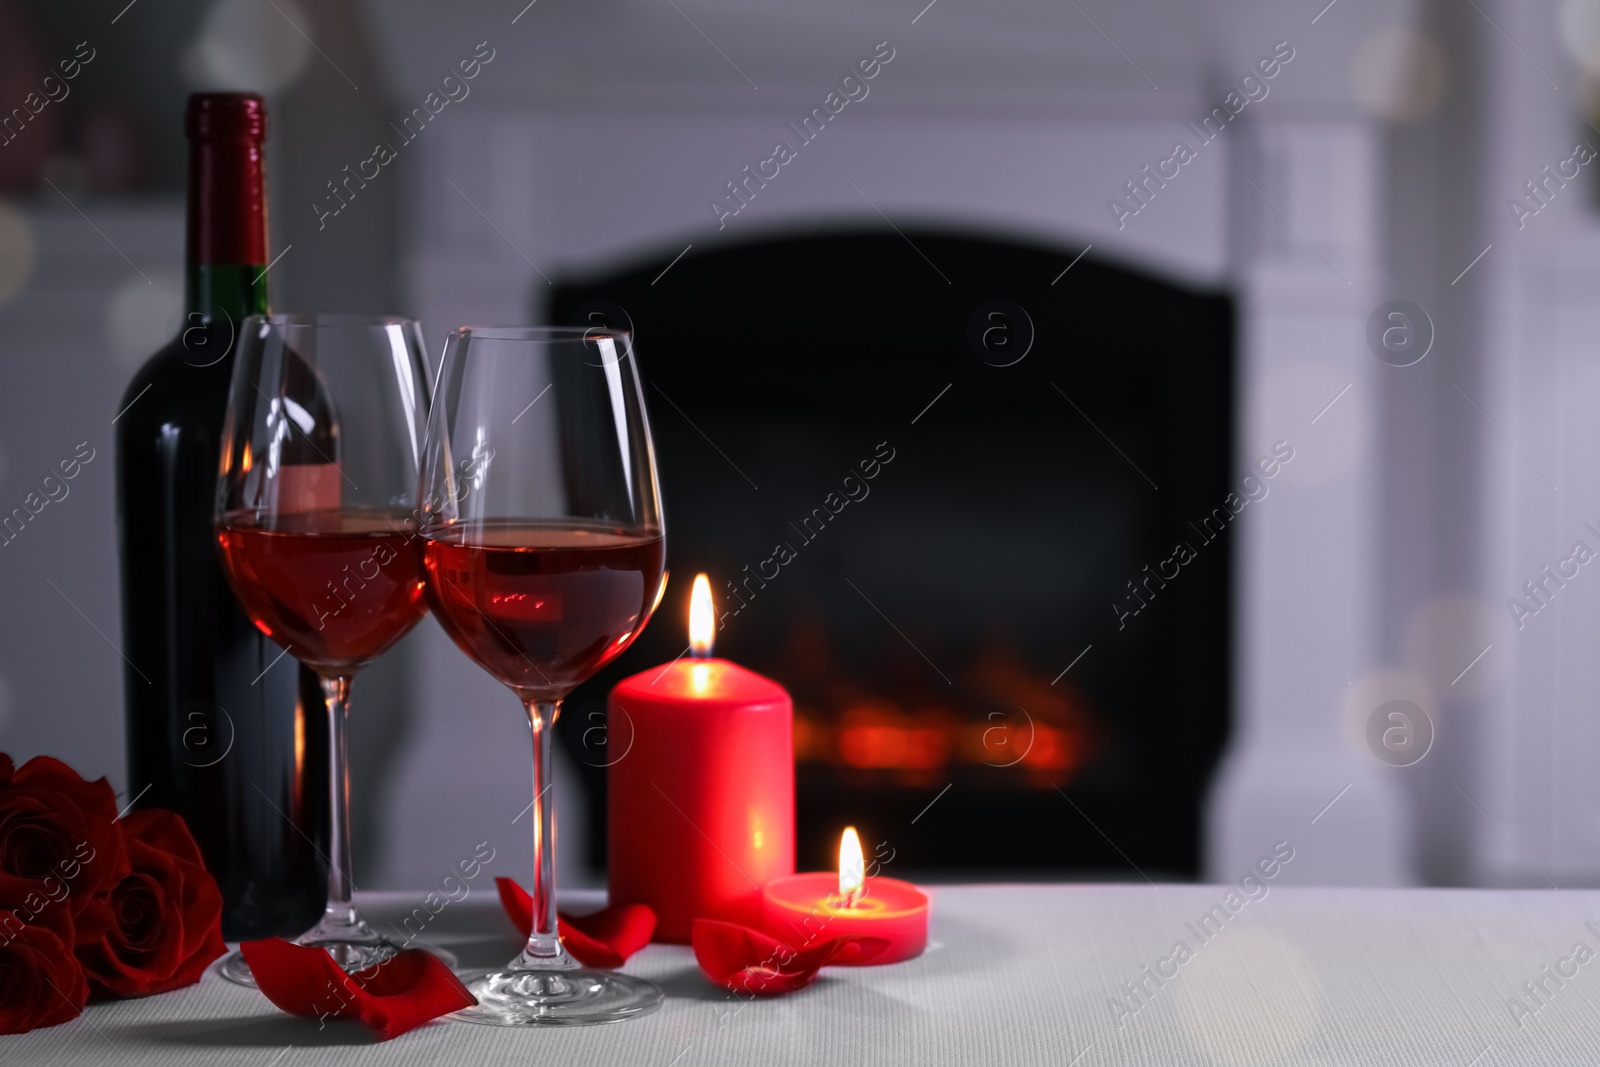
column 218, row 729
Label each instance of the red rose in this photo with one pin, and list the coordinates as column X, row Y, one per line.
column 165, row 917
column 40, row 983
column 60, row 846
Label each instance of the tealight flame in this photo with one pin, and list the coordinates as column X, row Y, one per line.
column 852, row 868
column 702, row 618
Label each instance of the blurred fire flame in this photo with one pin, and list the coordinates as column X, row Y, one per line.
column 1044, row 735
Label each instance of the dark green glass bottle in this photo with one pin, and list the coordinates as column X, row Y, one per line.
column 219, row 729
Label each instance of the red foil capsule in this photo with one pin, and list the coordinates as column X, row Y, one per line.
column 227, row 202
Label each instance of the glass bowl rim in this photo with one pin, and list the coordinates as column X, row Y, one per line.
column 327, row 318
column 537, row 333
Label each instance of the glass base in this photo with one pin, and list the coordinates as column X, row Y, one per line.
column 354, row 947
column 559, row 998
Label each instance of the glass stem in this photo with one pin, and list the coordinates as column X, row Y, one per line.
column 544, row 951
column 340, row 912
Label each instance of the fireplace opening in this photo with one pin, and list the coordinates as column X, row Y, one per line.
column 937, row 481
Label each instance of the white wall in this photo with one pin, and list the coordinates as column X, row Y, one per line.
column 1540, row 820
column 70, row 338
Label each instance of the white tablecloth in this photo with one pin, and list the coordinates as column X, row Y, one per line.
column 1018, row 974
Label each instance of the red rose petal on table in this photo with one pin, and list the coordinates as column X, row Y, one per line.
column 602, row 939
column 849, row 951
column 397, row 995
column 607, row 938
column 743, row 960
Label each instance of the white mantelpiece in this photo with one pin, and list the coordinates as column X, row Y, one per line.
column 1306, row 592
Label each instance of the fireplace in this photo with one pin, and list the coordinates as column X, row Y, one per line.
column 945, row 543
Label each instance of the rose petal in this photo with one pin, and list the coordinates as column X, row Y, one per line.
column 723, row 948
column 164, row 835
column 161, row 926
column 850, row 951
column 40, row 983
column 14, row 913
column 164, row 830
column 743, row 960
column 95, row 919
column 399, row 994
column 56, row 828
column 604, row 938
column 608, row 937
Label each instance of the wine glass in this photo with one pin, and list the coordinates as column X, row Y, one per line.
column 543, row 549
column 320, row 453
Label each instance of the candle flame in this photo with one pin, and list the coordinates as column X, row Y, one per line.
column 852, row 868
column 702, row 618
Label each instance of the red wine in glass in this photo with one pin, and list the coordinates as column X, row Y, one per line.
column 337, row 588
column 319, row 448
column 541, row 606
column 542, row 545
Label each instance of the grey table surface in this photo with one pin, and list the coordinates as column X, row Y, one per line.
column 1068, row 975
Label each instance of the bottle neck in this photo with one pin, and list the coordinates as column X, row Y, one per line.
column 227, row 229
column 226, row 290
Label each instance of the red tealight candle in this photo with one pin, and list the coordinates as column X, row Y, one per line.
column 805, row 909
column 701, row 806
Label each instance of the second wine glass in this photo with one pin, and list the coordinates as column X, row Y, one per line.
column 544, row 550
column 319, row 460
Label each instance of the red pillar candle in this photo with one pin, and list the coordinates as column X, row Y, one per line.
column 701, row 806
column 807, row 909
